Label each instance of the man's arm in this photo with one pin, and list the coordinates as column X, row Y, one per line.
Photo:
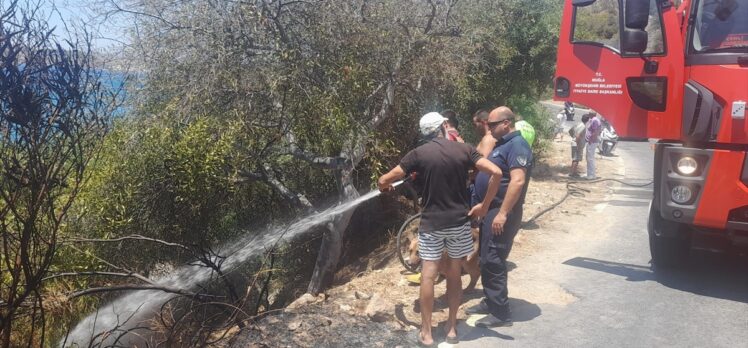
column 580, row 137
column 513, row 192
column 385, row 181
column 487, row 143
column 487, row 166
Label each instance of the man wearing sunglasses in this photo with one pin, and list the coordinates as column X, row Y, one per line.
column 513, row 156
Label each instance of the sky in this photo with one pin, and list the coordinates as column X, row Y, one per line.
column 107, row 34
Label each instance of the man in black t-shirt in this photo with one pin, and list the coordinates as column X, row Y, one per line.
column 443, row 167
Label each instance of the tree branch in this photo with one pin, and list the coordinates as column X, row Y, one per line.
column 99, row 273
column 296, row 199
column 167, row 289
column 130, row 237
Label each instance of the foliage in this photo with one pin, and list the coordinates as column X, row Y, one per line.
column 53, row 112
column 252, row 112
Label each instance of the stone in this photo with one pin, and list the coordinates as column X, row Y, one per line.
column 379, row 310
column 272, row 320
column 302, row 301
column 361, row 295
column 294, row 325
column 324, row 321
column 345, row 308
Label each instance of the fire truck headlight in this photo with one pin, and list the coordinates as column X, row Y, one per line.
column 681, row 194
column 687, row 165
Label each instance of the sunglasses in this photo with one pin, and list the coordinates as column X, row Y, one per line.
column 492, row 125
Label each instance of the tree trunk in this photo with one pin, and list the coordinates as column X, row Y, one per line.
column 329, row 253
column 332, row 242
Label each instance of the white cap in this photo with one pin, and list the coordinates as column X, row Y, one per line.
column 431, row 122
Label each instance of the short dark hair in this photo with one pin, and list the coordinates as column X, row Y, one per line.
column 451, row 117
column 481, row 114
column 585, row 118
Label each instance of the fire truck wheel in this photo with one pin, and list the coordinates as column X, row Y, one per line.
column 668, row 241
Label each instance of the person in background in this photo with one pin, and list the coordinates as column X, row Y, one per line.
column 502, row 222
column 487, row 141
column 452, row 124
column 577, row 134
column 443, row 165
column 559, row 126
column 592, row 138
column 526, row 129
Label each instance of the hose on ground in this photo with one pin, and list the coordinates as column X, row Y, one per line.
column 574, row 190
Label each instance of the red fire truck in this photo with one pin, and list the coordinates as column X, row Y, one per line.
column 677, row 73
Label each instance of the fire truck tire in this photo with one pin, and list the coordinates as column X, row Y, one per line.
column 668, row 242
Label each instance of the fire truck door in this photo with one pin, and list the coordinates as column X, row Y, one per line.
column 622, row 59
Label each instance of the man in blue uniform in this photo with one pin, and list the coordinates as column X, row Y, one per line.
column 513, row 155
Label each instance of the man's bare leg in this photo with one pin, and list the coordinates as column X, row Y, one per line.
column 454, row 293
column 428, row 276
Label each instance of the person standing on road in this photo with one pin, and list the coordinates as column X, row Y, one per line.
column 513, row 155
column 592, row 138
column 443, row 166
column 559, row 126
column 577, row 134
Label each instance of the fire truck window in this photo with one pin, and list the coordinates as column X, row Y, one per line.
column 656, row 41
column 648, row 92
column 721, row 25
column 598, row 23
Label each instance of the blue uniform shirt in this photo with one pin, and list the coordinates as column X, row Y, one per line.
column 512, row 151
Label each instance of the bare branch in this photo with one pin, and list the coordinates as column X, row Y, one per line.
column 167, row 289
column 99, row 273
column 130, row 237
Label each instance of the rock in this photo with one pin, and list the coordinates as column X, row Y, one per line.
column 304, row 300
column 362, row 296
column 324, row 321
column 272, row 320
column 294, row 325
column 379, row 310
column 345, row 308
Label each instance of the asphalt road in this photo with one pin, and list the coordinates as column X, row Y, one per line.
column 620, row 300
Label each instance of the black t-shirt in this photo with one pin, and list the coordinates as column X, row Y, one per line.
column 443, row 168
column 512, row 151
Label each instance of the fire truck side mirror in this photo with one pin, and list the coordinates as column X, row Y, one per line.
column 637, row 14
column 582, row 3
column 634, row 40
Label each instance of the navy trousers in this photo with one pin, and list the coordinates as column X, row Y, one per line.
column 494, row 251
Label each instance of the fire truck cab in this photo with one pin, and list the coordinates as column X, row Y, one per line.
column 679, row 74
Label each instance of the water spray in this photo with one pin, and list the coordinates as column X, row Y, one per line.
column 122, row 316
